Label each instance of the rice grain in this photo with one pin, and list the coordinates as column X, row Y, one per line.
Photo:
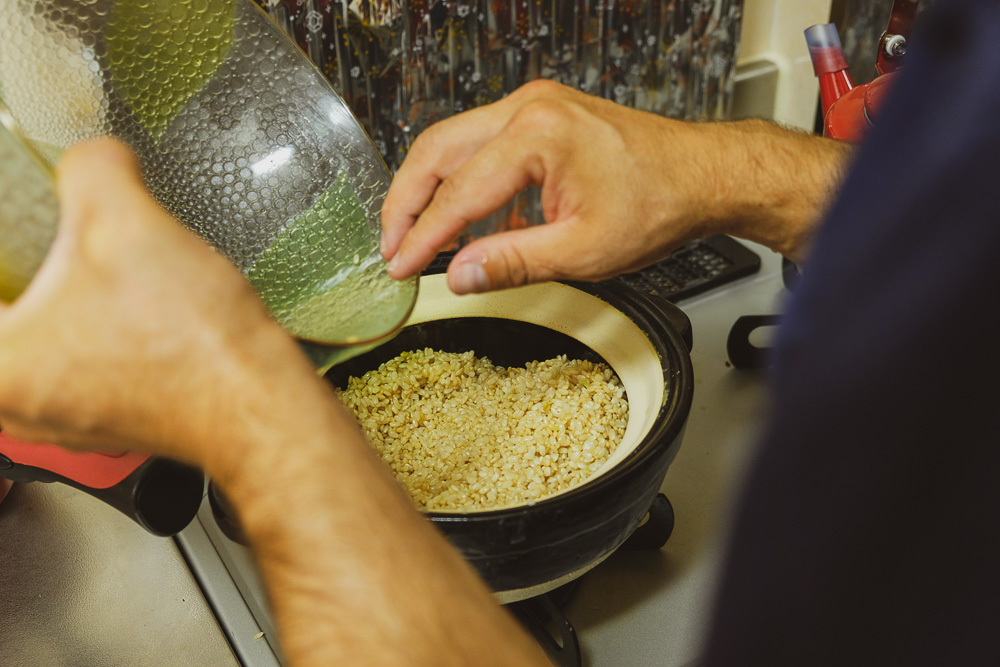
column 462, row 434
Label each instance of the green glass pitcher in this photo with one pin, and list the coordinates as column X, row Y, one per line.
column 238, row 135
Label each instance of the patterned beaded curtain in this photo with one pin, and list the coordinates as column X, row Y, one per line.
column 404, row 65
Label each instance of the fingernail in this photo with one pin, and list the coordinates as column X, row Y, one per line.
column 393, row 265
column 381, row 245
column 468, row 278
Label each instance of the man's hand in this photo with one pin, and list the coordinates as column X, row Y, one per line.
column 136, row 335
column 127, row 322
column 620, row 188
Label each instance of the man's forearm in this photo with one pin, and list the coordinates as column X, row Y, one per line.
column 765, row 183
column 164, row 348
column 356, row 575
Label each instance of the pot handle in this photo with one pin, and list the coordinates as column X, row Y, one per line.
column 160, row 495
column 655, row 532
column 677, row 317
column 541, row 617
column 225, row 515
column 742, row 353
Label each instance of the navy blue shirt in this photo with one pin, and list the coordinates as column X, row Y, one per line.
column 870, row 528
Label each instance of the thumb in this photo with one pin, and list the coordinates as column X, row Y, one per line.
column 96, row 175
column 550, row 251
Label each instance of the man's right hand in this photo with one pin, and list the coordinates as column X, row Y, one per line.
column 620, row 188
column 128, row 321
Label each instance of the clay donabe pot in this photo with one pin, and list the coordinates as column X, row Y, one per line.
column 526, row 550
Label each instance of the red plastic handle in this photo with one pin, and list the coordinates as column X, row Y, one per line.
column 97, row 471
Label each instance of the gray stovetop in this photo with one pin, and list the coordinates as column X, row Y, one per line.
column 81, row 585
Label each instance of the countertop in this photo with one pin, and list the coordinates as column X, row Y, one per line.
column 643, row 608
column 82, row 585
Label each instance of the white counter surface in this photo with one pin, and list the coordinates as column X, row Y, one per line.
column 83, row 586
column 651, row 608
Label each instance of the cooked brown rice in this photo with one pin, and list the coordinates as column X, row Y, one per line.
column 462, row 434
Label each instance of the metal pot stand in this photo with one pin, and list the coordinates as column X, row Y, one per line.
column 227, row 575
column 542, row 615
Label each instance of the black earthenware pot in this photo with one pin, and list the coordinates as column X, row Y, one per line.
column 526, row 550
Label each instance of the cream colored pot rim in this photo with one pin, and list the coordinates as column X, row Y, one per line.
column 592, row 321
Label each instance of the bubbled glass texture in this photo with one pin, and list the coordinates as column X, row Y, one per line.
column 239, row 136
column 28, row 216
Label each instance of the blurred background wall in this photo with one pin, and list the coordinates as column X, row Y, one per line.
column 404, row 64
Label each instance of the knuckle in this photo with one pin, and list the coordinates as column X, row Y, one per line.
column 540, row 87
column 448, row 191
column 80, row 157
column 429, row 140
column 389, row 212
column 421, row 146
column 100, row 147
column 516, row 269
column 540, row 118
